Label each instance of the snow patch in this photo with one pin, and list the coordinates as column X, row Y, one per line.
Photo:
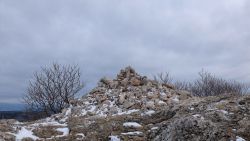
column 198, row 116
column 80, row 134
column 67, row 113
column 47, row 123
column 127, row 112
column 154, row 128
column 64, row 130
column 175, row 99
column 191, row 108
column 162, row 102
column 24, row 133
column 133, row 133
column 132, row 124
column 163, row 94
column 223, row 111
column 114, row 138
column 102, row 113
column 112, row 103
column 90, row 108
column 150, row 112
column 239, row 138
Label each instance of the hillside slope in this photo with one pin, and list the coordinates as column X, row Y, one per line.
column 132, row 107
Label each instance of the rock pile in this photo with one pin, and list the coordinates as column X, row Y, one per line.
column 129, row 91
column 129, row 97
column 133, row 107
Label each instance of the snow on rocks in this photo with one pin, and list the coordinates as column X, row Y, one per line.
column 136, row 108
column 127, row 112
column 154, row 128
column 149, row 113
column 24, row 133
column 80, row 136
column 45, row 128
column 175, row 99
column 64, row 130
column 239, row 139
column 223, row 111
column 198, row 116
column 135, row 133
column 128, row 95
column 127, row 92
column 114, row 138
column 47, row 122
column 191, row 108
column 132, row 124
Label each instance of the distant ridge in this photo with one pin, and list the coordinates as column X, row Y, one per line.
column 11, row 107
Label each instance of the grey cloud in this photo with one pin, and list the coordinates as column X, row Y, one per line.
column 153, row 36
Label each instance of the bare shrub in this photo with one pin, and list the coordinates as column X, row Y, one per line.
column 164, row 78
column 209, row 85
column 52, row 88
column 182, row 85
column 206, row 84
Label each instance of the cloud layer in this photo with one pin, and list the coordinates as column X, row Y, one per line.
column 104, row 36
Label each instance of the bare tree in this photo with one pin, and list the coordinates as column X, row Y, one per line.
column 51, row 89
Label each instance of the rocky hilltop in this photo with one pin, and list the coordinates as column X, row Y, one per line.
column 133, row 107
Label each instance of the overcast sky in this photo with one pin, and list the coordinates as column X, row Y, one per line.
column 180, row 36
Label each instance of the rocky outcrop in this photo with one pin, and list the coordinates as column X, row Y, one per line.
column 133, row 107
column 210, row 118
column 5, row 127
